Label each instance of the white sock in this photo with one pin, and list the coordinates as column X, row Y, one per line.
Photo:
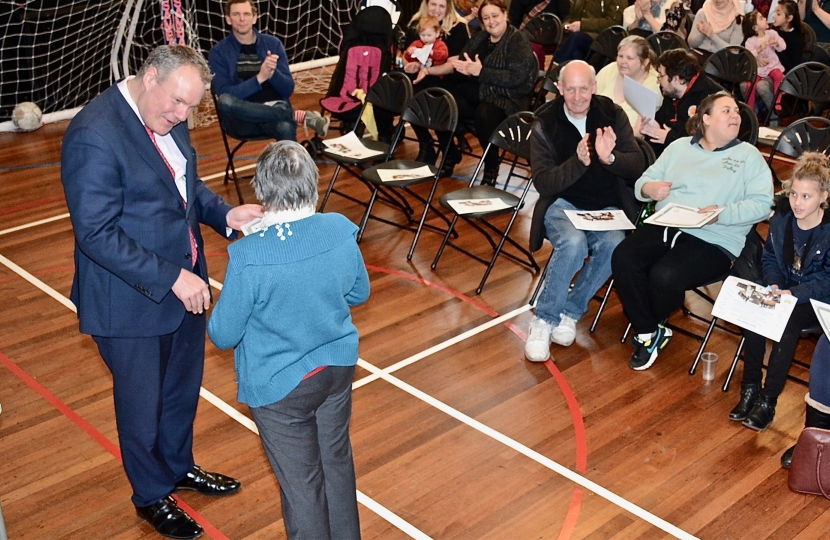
column 645, row 337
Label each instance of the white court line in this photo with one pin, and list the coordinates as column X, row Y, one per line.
column 439, row 347
column 365, row 500
column 532, row 454
column 34, row 224
column 222, row 174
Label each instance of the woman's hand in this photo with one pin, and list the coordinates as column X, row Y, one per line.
column 816, row 6
column 709, row 208
column 778, row 292
column 412, row 67
column 468, row 66
column 638, row 12
column 705, row 28
column 657, row 190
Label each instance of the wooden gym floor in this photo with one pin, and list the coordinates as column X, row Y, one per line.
column 455, row 435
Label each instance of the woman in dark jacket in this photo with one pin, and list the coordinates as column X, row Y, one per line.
column 796, row 261
column 499, row 70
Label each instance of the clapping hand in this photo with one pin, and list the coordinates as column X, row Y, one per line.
column 268, row 68
column 583, row 150
column 468, row 66
column 604, row 144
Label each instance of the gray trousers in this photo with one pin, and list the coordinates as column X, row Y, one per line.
column 306, row 438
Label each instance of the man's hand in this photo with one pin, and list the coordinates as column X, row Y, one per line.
column 268, row 68
column 192, row 291
column 243, row 214
column 574, row 26
column 412, row 67
column 656, row 191
column 583, row 150
column 709, row 209
column 604, row 144
column 654, row 131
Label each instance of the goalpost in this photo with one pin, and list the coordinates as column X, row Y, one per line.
column 60, row 54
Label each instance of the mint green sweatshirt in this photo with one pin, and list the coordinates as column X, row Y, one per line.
column 735, row 178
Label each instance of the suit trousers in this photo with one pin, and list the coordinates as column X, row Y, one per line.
column 306, row 438
column 156, row 383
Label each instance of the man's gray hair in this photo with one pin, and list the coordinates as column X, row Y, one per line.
column 573, row 63
column 168, row 58
column 286, row 177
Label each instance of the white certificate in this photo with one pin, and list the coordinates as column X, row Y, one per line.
column 754, row 307
column 397, row 175
column 681, row 217
column 349, row 146
column 599, row 220
column 643, row 100
column 477, row 206
column 823, row 313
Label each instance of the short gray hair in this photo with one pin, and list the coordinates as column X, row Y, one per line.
column 573, row 63
column 286, row 177
column 168, row 58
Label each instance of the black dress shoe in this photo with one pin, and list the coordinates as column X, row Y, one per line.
column 749, row 395
column 787, row 457
column 426, row 155
column 762, row 414
column 169, row 520
column 207, row 483
column 490, row 176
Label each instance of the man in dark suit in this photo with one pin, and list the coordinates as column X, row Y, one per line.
column 136, row 202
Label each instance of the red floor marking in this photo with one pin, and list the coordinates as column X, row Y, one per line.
column 99, row 437
column 572, row 516
column 31, row 205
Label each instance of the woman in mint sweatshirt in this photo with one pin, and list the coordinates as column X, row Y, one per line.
column 284, row 308
column 655, row 266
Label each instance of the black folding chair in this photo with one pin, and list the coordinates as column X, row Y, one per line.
column 732, row 67
column 392, row 92
column 513, row 137
column 604, row 48
column 661, row 42
column 434, row 109
column 749, row 124
column 229, row 133
column 544, row 29
column 809, row 82
column 811, row 134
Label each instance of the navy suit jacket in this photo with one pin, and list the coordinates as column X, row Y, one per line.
column 131, row 226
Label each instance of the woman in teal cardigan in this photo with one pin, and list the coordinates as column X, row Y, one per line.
column 285, row 309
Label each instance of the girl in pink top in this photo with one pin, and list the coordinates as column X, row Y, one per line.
column 763, row 43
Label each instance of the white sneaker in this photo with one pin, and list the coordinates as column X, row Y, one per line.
column 565, row 333
column 537, row 346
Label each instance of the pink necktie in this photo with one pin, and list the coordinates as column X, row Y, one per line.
column 194, row 250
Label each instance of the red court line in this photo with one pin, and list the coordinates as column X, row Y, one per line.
column 31, row 205
column 99, row 437
column 575, row 506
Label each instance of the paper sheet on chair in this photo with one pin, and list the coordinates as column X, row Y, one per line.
column 398, row 175
column 349, row 146
column 770, row 134
column 681, row 217
column 823, row 313
column 599, row 220
column 477, row 206
column 754, row 307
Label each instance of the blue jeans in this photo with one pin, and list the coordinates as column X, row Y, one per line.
column 247, row 120
column 570, row 249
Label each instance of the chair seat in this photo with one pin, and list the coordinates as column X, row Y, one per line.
column 368, row 143
column 371, row 174
column 482, row 192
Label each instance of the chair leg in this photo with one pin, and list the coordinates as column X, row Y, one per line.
column 444, row 243
column 539, row 285
column 330, row 188
column 703, row 345
column 602, row 304
column 625, row 334
column 366, row 214
column 734, row 365
column 238, row 190
column 427, row 206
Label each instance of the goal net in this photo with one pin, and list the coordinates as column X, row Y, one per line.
column 60, row 54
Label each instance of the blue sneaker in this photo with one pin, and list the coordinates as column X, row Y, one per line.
column 645, row 353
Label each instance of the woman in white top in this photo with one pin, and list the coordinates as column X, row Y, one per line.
column 636, row 60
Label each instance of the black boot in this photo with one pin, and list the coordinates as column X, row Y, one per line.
column 814, row 418
column 762, row 414
column 490, row 176
column 426, row 154
column 453, row 159
column 749, row 395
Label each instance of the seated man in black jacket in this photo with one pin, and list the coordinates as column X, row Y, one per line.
column 685, row 86
column 584, row 157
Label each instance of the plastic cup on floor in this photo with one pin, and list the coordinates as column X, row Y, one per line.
column 710, row 364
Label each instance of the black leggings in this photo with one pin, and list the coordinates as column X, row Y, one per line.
column 653, row 270
column 782, row 352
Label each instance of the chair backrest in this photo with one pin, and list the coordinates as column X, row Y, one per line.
column 648, row 152
column 803, row 136
column 392, row 92
column 364, row 64
column 432, row 108
column 809, row 81
column 749, row 124
column 809, row 35
column 604, row 47
column 732, row 65
column 513, row 134
column 661, row 42
column 544, row 29
column 816, row 54
column 748, row 264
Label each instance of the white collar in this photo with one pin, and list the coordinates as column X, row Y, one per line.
column 286, row 216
